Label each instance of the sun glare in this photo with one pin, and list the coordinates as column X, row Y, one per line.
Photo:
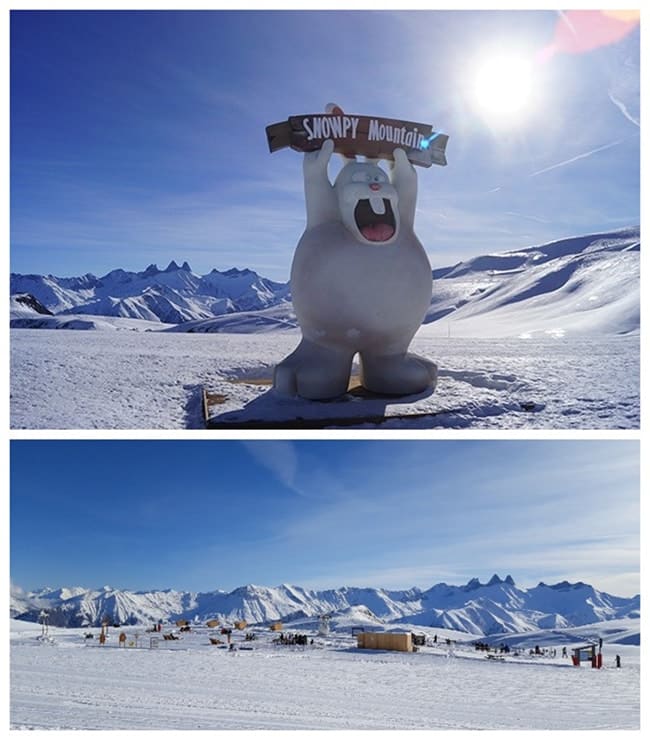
column 502, row 87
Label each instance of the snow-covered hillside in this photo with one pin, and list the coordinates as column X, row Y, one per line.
column 581, row 285
column 576, row 286
column 25, row 305
column 498, row 606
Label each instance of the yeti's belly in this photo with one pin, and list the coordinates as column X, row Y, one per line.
column 360, row 296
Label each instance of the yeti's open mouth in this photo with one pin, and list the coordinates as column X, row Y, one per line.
column 375, row 219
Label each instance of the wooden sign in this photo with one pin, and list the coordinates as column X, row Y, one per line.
column 364, row 135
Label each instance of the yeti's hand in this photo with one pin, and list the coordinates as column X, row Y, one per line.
column 401, row 167
column 319, row 193
column 315, row 163
column 405, row 180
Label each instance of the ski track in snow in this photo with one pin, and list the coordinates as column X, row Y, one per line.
column 67, row 685
column 150, row 380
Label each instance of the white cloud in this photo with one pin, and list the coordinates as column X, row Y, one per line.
column 279, row 457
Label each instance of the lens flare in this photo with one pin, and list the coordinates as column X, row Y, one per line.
column 426, row 143
column 579, row 31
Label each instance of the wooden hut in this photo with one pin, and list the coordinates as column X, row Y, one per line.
column 182, row 623
column 212, row 623
column 240, row 624
column 277, row 626
column 385, row 641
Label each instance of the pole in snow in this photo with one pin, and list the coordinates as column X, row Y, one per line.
column 44, row 619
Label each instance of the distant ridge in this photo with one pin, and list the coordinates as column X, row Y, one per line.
column 173, row 295
column 476, row 608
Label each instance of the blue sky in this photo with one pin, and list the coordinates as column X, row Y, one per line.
column 138, row 137
column 203, row 515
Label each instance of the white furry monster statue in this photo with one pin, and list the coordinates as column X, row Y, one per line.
column 361, row 282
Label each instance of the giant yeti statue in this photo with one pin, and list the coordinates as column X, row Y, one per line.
column 361, row 282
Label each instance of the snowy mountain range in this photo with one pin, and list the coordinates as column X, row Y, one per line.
column 579, row 285
column 496, row 607
column 173, row 295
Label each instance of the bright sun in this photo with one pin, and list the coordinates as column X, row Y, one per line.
column 502, row 88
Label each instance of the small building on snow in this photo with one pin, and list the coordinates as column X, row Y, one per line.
column 385, row 641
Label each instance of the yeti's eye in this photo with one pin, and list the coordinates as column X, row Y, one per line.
column 360, row 177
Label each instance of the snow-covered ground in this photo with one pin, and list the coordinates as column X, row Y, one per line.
column 559, row 348
column 154, row 380
column 74, row 683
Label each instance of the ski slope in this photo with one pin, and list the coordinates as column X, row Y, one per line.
column 189, row 684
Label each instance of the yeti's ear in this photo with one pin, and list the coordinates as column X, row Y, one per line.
column 336, row 110
column 333, row 108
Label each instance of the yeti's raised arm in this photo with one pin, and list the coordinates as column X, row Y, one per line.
column 405, row 181
column 319, row 193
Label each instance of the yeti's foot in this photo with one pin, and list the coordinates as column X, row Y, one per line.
column 313, row 372
column 397, row 375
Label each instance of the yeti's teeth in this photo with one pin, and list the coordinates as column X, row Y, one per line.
column 377, row 205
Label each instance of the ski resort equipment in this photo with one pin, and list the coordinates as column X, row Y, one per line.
column 44, row 620
column 361, row 281
column 588, row 653
column 324, row 625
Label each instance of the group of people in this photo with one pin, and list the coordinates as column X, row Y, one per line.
column 502, row 648
column 448, row 641
column 552, row 652
column 293, row 639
